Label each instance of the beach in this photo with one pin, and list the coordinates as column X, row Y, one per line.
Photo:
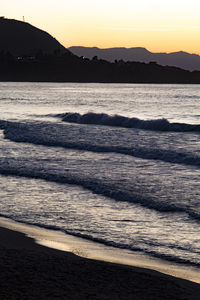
column 32, row 271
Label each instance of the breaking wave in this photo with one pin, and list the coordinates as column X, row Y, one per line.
column 121, row 121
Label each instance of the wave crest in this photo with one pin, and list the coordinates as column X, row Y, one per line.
column 121, row 121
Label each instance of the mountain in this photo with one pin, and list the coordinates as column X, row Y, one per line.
column 180, row 59
column 20, row 38
column 30, row 54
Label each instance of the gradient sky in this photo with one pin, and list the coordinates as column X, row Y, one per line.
column 170, row 25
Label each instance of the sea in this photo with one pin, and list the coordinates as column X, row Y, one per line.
column 118, row 164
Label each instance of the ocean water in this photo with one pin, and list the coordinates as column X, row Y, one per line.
column 114, row 163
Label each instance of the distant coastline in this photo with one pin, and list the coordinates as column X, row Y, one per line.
column 71, row 68
column 30, row 54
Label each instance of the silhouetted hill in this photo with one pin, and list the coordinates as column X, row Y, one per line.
column 70, row 68
column 180, row 59
column 30, row 54
column 20, row 38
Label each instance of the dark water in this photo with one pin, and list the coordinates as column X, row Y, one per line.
column 131, row 181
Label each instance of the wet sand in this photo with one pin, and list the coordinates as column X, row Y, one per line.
column 31, row 271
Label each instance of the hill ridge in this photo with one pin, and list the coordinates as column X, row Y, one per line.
column 22, row 38
column 181, row 59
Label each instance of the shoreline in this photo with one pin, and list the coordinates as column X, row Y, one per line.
column 31, row 271
column 85, row 248
column 58, row 240
column 28, row 268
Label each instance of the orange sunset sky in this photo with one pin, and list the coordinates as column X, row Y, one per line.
column 159, row 26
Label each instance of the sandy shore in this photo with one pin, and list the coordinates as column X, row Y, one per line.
column 31, row 271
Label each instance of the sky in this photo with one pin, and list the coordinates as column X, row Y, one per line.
column 159, row 26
